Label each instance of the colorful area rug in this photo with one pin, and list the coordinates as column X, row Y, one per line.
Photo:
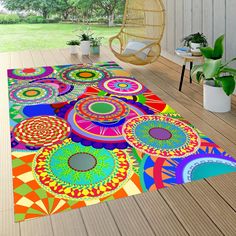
column 84, row 134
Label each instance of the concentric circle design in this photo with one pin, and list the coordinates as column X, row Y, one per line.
column 161, row 136
column 102, row 109
column 78, row 75
column 32, row 94
column 202, row 166
column 66, row 92
column 30, row 73
column 77, row 172
column 122, row 86
column 41, row 131
column 99, row 134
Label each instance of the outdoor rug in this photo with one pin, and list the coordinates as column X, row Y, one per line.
column 84, row 134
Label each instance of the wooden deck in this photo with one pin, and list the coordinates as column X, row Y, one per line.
column 206, row 207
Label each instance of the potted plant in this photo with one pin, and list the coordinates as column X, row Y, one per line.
column 195, row 42
column 85, row 40
column 96, row 42
column 73, row 46
column 219, row 78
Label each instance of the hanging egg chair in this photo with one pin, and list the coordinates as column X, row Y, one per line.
column 141, row 33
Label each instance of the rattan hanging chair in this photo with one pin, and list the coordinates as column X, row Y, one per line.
column 141, row 33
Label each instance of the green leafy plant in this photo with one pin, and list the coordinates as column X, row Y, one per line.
column 214, row 69
column 73, row 42
column 85, row 35
column 195, row 38
column 96, row 41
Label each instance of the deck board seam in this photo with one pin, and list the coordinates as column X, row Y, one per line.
column 181, row 223
column 113, row 217
column 220, row 195
column 204, row 211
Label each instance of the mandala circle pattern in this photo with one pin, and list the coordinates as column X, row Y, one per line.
column 82, row 76
column 66, row 92
column 102, row 109
column 65, row 171
column 161, row 136
column 122, row 86
column 30, row 73
column 41, row 131
column 33, row 94
column 200, row 166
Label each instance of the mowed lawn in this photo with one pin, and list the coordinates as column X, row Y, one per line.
column 19, row 37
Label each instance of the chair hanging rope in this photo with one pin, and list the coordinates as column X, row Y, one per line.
column 138, row 41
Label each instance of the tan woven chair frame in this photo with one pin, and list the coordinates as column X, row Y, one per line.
column 144, row 20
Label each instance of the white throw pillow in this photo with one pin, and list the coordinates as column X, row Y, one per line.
column 134, row 46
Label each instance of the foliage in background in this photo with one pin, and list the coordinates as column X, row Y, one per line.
column 86, row 11
column 9, row 19
column 214, row 69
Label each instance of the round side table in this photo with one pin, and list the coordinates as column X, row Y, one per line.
column 187, row 59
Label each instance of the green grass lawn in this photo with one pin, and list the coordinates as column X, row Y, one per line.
column 21, row 37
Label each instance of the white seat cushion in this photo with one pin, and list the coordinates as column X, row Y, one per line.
column 134, row 46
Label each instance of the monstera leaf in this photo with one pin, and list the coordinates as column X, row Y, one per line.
column 228, row 84
column 211, row 68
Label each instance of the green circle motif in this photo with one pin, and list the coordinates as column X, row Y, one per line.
column 102, row 108
column 59, row 169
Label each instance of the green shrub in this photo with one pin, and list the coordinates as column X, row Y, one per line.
column 9, row 19
column 35, row 19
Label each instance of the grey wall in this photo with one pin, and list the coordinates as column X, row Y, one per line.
column 212, row 17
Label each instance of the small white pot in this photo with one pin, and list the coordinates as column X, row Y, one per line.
column 195, row 49
column 215, row 99
column 85, row 47
column 73, row 49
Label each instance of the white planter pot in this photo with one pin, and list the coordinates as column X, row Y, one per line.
column 215, row 99
column 85, row 47
column 195, row 49
column 73, row 49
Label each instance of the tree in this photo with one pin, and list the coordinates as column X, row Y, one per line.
column 44, row 7
column 109, row 7
column 65, row 8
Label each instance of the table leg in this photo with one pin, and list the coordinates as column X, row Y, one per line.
column 191, row 67
column 182, row 77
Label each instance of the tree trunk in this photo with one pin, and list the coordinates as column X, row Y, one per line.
column 111, row 19
column 45, row 14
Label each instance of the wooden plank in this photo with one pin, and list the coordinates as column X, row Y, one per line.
column 208, row 20
column 214, row 206
column 197, row 16
column 68, row 223
column 152, row 204
column 7, row 225
column 99, row 220
column 190, row 214
column 170, row 28
column 225, row 186
column 129, row 217
column 187, row 17
column 219, row 19
column 179, row 22
column 37, row 227
column 230, row 30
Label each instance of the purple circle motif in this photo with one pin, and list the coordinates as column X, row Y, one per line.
column 122, row 86
column 30, row 73
column 160, row 133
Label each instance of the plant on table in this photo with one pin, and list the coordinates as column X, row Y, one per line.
column 85, row 38
column 96, row 42
column 195, row 42
column 219, row 77
column 73, row 46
